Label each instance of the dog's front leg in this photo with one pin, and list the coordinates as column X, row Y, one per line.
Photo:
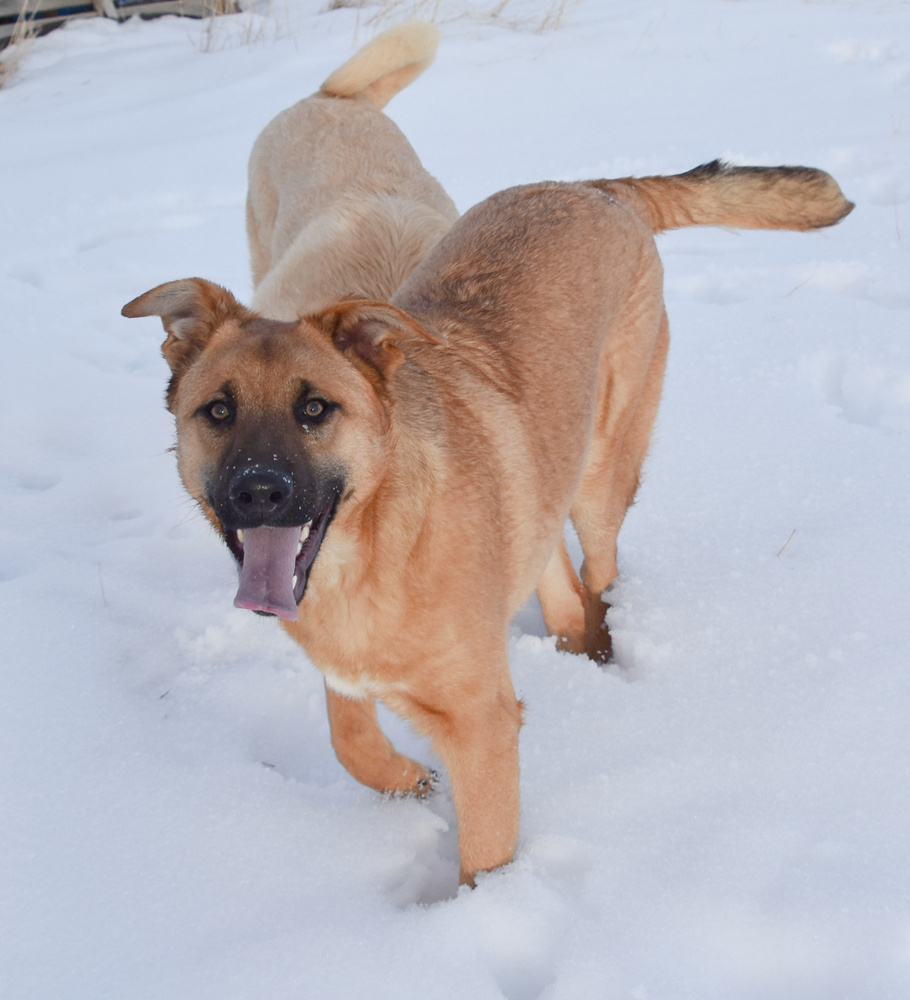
column 474, row 728
column 562, row 598
column 362, row 747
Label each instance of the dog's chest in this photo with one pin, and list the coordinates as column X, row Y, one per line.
column 350, row 642
column 348, row 621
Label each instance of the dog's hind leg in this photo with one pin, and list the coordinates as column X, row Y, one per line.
column 361, row 746
column 627, row 405
column 561, row 597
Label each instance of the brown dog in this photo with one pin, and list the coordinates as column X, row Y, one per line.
column 338, row 202
column 393, row 479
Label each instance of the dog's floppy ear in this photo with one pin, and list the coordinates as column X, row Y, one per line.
column 372, row 331
column 190, row 310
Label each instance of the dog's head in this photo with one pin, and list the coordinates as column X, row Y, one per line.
column 279, row 425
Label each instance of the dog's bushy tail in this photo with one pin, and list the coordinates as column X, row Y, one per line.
column 387, row 64
column 718, row 194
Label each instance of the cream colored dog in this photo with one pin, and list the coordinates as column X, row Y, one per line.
column 338, row 201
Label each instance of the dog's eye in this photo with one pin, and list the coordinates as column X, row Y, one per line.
column 220, row 412
column 313, row 411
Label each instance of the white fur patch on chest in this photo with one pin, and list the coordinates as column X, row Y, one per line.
column 356, row 688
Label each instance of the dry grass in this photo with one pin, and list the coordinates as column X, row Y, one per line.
column 20, row 42
column 519, row 15
column 252, row 28
column 243, row 27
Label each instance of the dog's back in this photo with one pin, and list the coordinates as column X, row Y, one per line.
column 338, row 201
column 526, row 248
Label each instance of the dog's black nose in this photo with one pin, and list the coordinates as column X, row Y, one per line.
column 260, row 492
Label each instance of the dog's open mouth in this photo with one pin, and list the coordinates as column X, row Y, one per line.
column 275, row 564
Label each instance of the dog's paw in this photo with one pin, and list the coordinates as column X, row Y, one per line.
column 415, row 781
column 427, row 784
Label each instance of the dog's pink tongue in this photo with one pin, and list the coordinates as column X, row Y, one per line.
column 267, row 571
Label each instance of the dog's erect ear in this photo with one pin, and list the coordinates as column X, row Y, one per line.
column 191, row 310
column 373, row 331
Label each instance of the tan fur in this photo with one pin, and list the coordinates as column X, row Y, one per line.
column 512, row 382
column 338, row 201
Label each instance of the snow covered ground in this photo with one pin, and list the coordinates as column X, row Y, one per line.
column 725, row 815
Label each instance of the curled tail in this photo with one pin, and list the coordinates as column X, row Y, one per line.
column 387, row 64
column 717, row 194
